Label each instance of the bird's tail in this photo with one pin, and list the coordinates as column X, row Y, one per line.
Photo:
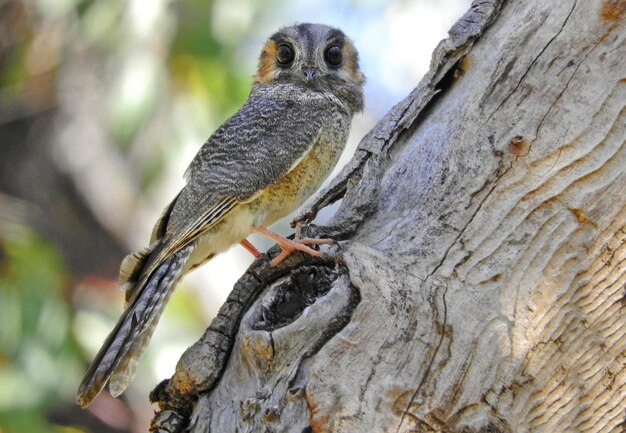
column 117, row 359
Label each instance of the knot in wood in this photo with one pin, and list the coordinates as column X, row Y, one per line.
column 295, row 292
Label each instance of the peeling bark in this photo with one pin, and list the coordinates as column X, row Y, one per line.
column 480, row 283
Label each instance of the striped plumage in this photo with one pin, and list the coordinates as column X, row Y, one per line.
column 259, row 166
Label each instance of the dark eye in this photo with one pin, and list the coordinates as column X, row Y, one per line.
column 333, row 55
column 284, row 54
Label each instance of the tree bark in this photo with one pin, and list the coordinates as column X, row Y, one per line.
column 480, row 283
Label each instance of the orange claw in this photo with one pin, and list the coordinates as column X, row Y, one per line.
column 288, row 246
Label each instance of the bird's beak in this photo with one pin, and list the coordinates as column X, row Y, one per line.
column 310, row 73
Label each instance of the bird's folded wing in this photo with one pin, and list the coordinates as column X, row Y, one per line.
column 258, row 145
column 254, row 148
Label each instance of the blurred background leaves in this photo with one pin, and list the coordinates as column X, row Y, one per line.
column 103, row 103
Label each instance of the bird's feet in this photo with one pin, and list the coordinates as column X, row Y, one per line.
column 250, row 248
column 288, row 246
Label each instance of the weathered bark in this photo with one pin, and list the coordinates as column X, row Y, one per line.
column 480, row 285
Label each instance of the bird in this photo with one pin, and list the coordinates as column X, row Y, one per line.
column 260, row 165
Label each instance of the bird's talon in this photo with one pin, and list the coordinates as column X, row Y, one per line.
column 287, row 250
column 288, row 246
column 279, row 258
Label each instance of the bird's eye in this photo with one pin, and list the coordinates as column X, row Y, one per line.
column 284, row 54
column 332, row 55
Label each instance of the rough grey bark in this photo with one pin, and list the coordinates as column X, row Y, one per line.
column 480, row 282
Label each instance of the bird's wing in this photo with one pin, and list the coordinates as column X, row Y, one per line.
column 255, row 147
column 258, row 144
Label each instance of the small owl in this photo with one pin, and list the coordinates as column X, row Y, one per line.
column 259, row 166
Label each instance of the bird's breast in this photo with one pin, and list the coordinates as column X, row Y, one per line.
column 286, row 194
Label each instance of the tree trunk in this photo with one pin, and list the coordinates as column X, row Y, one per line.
column 480, row 284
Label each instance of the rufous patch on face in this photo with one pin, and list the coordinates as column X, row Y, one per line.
column 267, row 70
column 351, row 62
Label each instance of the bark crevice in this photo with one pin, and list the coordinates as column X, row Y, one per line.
column 418, row 388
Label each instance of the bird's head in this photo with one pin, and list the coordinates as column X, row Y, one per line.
column 312, row 55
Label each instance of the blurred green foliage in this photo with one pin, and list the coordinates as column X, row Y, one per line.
column 205, row 65
column 39, row 358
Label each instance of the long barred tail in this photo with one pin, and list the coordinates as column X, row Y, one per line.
column 117, row 359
